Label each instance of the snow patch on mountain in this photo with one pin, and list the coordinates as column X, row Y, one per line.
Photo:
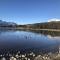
column 53, row 20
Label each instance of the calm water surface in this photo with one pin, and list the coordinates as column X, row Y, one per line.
column 25, row 41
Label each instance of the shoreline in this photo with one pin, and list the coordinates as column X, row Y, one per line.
column 57, row 30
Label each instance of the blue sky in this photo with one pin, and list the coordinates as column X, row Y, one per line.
column 29, row 11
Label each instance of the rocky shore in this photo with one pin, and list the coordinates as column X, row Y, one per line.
column 30, row 56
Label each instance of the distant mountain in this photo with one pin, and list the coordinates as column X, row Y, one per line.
column 7, row 24
column 45, row 25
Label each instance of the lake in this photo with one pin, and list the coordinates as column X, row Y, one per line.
column 26, row 41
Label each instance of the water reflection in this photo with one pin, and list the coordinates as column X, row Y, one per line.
column 25, row 41
column 52, row 33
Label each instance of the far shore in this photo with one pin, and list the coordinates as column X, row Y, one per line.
column 58, row 30
column 40, row 29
